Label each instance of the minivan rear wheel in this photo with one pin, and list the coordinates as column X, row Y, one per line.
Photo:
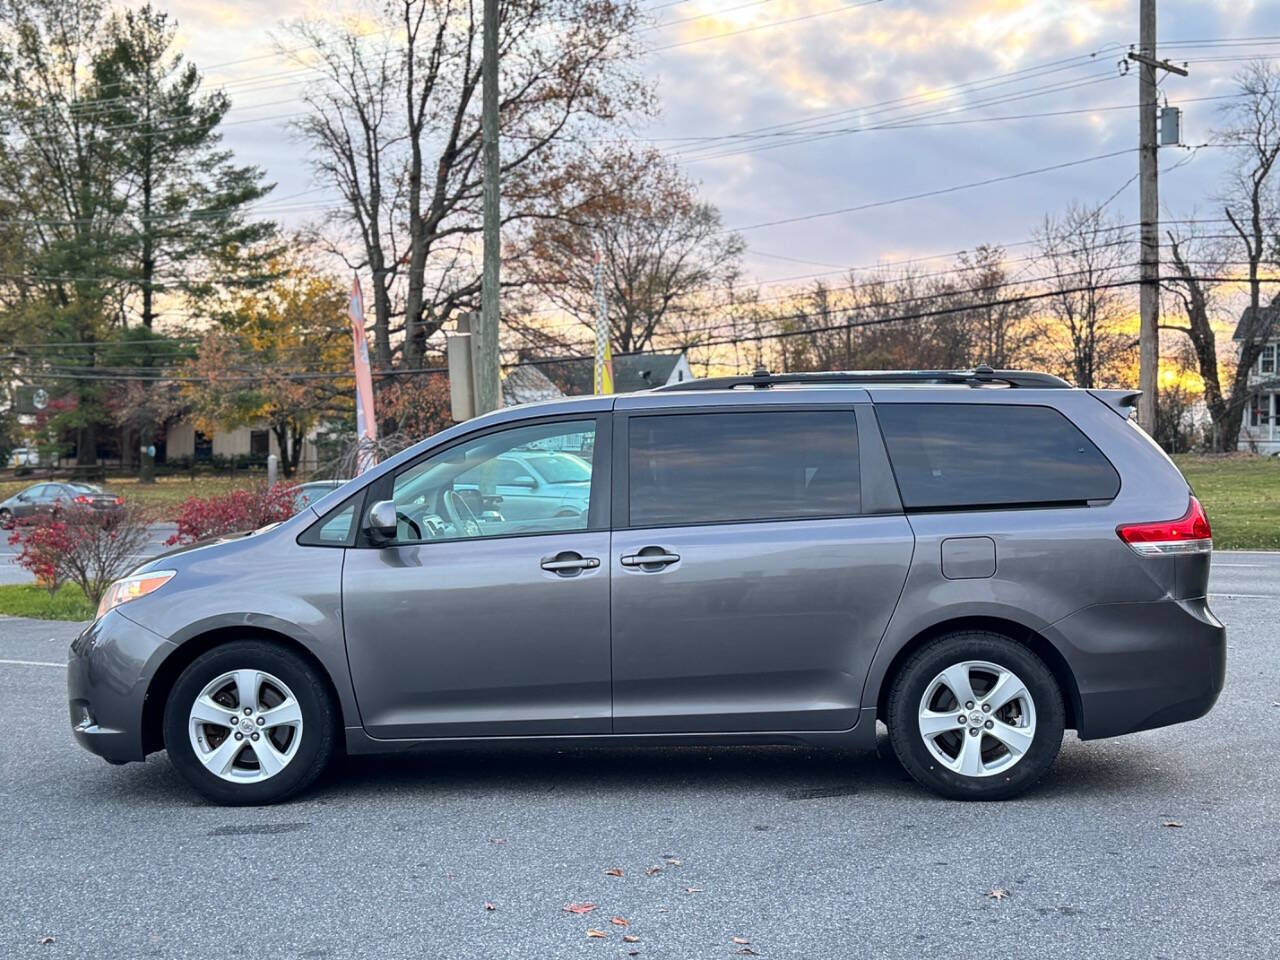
column 249, row 723
column 975, row 716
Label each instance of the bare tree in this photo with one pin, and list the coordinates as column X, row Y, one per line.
column 395, row 126
column 1249, row 204
column 666, row 258
column 1089, row 253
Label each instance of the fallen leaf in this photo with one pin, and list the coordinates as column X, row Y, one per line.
column 999, row 893
column 614, row 872
column 498, row 840
column 45, row 941
column 743, row 941
column 488, row 905
column 579, row 907
column 630, row 938
column 597, row 934
column 619, row 921
column 746, row 952
column 633, row 953
column 673, row 861
column 692, row 889
column 653, row 871
column 1173, row 823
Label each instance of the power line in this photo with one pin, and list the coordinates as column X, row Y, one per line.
column 931, row 193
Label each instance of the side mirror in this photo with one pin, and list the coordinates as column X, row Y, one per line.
column 381, row 522
column 525, row 481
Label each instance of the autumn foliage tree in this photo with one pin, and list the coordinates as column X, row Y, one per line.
column 665, row 256
column 280, row 355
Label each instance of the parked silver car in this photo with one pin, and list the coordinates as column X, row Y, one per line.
column 979, row 559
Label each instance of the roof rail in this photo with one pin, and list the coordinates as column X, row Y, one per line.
column 980, row 376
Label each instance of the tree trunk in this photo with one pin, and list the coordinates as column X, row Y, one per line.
column 147, row 457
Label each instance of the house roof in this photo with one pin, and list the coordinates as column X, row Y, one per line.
column 528, row 385
column 1269, row 320
column 631, row 372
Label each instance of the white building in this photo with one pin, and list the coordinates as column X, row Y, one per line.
column 1260, row 432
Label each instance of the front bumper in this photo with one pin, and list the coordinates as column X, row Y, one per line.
column 109, row 669
column 1143, row 665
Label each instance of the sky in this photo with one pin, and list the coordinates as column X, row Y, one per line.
column 948, row 83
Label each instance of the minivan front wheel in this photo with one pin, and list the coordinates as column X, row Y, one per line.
column 249, row 722
column 975, row 716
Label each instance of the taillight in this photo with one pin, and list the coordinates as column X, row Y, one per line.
column 1190, row 533
column 119, row 501
column 83, row 499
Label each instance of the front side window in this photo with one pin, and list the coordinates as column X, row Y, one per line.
column 730, row 467
column 956, row 455
column 500, row 484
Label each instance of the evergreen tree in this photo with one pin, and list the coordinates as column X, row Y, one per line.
column 186, row 203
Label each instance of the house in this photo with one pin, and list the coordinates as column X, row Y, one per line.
column 1260, row 432
column 183, row 443
column 631, row 372
column 528, row 384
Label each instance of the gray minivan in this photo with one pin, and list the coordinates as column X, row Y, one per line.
column 978, row 559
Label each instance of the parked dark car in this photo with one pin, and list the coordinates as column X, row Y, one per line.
column 979, row 559
column 49, row 499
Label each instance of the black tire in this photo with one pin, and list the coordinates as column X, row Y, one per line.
column 6, row 520
column 913, row 680
column 318, row 733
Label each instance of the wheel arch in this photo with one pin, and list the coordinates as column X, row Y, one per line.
column 186, row 653
column 1040, row 645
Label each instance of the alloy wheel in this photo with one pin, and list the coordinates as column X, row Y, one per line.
column 977, row 718
column 245, row 726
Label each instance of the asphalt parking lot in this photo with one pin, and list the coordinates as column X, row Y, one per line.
column 802, row 853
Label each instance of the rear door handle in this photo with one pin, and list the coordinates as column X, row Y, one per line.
column 571, row 564
column 648, row 559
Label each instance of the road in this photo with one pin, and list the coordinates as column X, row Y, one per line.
column 805, row 854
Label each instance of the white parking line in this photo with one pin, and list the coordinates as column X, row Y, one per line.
column 31, row 663
column 1245, row 596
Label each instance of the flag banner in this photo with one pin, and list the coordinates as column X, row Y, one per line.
column 604, row 352
column 366, row 424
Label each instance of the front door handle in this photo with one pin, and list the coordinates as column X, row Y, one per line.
column 649, row 559
column 570, row 563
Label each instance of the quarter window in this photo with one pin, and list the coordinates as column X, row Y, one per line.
column 952, row 455
column 727, row 467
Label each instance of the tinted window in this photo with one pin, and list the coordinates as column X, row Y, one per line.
column 962, row 454
column 722, row 467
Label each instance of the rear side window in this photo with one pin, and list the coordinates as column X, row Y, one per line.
column 949, row 455
column 726, row 467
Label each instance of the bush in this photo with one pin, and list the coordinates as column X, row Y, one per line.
column 84, row 548
column 235, row 512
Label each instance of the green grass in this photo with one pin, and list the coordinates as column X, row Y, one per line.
column 33, row 600
column 1241, row 495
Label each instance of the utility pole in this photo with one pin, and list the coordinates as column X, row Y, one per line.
column 1149, row 213
column 484, row 340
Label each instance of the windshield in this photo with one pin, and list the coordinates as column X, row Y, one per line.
column 560, row 467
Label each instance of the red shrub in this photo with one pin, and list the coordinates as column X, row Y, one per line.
column 43, row 547
column 83, row 547
column 235, row 512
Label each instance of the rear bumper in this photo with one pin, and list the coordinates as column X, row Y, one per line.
column 108, row 671
column 1143, row 665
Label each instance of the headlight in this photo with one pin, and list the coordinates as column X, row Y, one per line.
column 131, row 588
